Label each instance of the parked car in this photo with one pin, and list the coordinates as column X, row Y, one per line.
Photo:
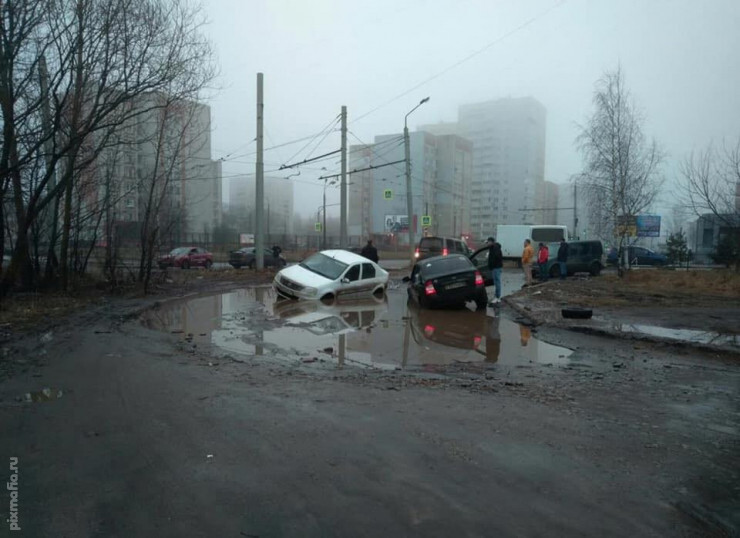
column 245, row 257
column 637, row 256
column 450, row 280
column 186, row 257
column 331, row 274
column 440, row 246
column 583, row 257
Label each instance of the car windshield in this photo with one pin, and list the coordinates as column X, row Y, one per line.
column 445, row 266
column 180, row 250
column 324, row 265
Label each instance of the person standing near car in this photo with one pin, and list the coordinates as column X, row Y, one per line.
column 563, row 258
column 276, row 250
column 527, row 257
column 495, row 264
column 370, row 252
column 543, row 254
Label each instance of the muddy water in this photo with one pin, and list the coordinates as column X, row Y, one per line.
column 382, row 333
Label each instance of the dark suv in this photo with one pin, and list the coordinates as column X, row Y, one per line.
column 583, row 257
column 440, row 246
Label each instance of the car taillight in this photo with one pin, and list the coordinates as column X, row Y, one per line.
column 429, row 330
column 476, row 341
column 445, row 252
column 416, row 252
column 478, row 279
column 429, row 288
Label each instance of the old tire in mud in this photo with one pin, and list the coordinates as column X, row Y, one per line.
column 577, row 313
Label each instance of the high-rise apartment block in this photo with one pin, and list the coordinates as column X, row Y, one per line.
column 441, row 168
column 508, row 138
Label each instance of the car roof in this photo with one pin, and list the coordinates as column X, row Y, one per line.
column 433, row 259
column 441, row 237
column 345, row 256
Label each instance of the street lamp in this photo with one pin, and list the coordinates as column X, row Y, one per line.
column 409, row 199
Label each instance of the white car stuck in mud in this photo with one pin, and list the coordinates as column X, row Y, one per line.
column 331, row 274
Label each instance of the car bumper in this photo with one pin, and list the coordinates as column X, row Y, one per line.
column 456, row 297
column 292, row 293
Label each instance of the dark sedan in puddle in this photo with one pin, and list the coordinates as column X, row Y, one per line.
column 446, row 281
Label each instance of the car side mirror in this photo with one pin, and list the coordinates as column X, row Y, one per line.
column 406, row 279
column 345, row 281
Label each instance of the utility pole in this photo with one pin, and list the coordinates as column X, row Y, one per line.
column 575, row 210
column 343, row 190
column 409, row 199
column 323, row 226
column 259, row 243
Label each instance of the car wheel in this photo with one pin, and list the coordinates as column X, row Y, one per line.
column 209, row 264
column 424, row 302
column 185, row 265
column 235, row 265
column 595, row 269
column 481, row 301
column 251, row 264
column 328, row 298
column 555, row 271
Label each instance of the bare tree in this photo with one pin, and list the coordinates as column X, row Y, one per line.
column 621, row 168
column 103, row 58
column 711, row 186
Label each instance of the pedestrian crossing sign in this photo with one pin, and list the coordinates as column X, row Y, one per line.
column 317, row 226
column 426, row 220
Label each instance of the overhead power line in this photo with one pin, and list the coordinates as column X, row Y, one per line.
column 462, row 61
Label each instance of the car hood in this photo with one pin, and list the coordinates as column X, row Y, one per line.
column 304, row 276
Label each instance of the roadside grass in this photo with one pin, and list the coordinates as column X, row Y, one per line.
column 717, row 282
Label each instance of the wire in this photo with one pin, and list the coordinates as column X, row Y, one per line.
column 328, row 126
column 460, row 62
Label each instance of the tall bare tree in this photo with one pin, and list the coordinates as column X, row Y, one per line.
column 100, row 60
column 711, row 186
column 621, row 167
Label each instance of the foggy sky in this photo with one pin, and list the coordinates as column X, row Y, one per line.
column 681, row 61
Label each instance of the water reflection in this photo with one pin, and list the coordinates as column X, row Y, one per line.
column 378, row 332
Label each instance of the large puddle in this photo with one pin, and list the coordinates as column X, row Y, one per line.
column 385, row 332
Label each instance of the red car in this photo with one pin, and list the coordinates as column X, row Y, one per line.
column 187, row 257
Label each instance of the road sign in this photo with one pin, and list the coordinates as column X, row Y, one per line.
column 317, row 226
column 387, row 194
column 426, row 220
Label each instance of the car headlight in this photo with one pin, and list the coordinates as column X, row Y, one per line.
column 309, row 290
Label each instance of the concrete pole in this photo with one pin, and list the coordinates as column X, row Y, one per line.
column 259, row 195
column 343, row 190
column 409, row 198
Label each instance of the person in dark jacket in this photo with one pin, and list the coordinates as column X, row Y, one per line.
column 276, row 250
column 562, row 259
column 370, row 252
column 495, row 264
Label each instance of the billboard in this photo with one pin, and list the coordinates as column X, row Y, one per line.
column 648, row 225
column 396, row 223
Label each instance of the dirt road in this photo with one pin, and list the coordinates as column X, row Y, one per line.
column 151, row 435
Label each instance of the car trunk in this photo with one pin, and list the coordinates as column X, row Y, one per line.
column 455, row 284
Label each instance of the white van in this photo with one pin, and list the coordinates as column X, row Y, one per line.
column 512, row 236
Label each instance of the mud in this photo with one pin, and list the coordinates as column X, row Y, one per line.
column 222, row 415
